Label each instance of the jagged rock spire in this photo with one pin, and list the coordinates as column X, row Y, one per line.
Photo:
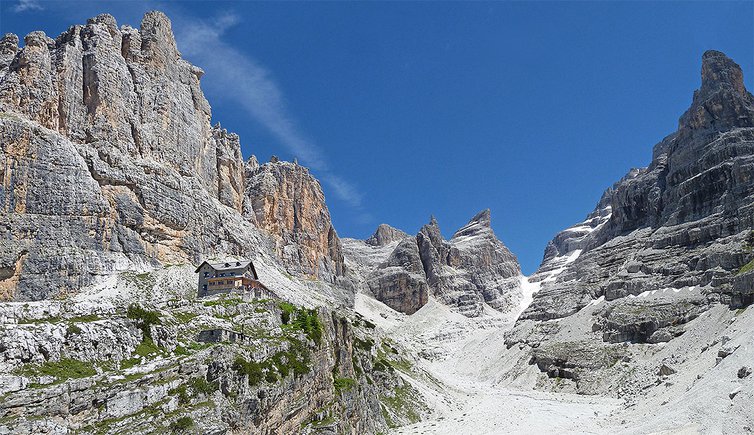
column 719, row 71
column 721, row 103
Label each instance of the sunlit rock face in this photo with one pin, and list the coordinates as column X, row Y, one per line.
column 109, row 162
column 287, row 201
column 681, row 222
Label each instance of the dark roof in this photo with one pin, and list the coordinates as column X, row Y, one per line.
column 229, row 265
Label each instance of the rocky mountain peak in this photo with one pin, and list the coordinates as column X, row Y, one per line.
column 480, row 222
column 157, row 39
column 718, row 70
column 677, row 223
column 106, row 137
column 384, row 235
column 721, row 103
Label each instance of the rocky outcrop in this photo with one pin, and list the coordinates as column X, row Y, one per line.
column 384, row 235
column 288, row 202
column 680, row 222
column 399, row 282
column 665, row 245
column 472, row 269
column 644, row 320
column 468, row 272
column 72, row 367
column 124, row 91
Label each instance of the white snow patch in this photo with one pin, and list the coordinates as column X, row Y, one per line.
column 528, row 289
column 564, row 262
column 647, row 293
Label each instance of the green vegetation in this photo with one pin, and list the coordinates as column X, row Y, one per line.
column 356, row 365
column 128, row 363
column 224, row 301
column 183, row 396
column 748, row 267
column 144, row 318
column 62, row 370
column 287, row 310
column 85, row 319
column 401, row 364
column 295, row 360
column 344, row 384
column 365, row 345
column 182, row 424
column 184, row 317
column 401, row 403
column 146, row 347
column 386, row 415
column 72, row 330
column 324, row 422
column 254, row 370
column 203, row 386
column 382, row 365
column 199, row 346
column 304, row 320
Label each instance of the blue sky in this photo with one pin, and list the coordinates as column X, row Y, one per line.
column 404, row 110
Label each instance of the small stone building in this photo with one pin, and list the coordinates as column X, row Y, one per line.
column 229, row 276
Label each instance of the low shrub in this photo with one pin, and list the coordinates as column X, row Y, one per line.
column 63, row 369
column 344, row 384
column 144, row 318
column 182, row 424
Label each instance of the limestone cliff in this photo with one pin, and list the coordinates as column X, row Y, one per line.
column 286, row 201
column 665, row 244
column 680, row 222
column 399, row 282
column 109, row 162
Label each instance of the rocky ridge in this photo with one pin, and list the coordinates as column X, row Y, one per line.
column 287, row 202
column 468, row 272
column 640, row 299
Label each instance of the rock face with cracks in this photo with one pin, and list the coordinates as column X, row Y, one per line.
column 286, row 201
column 647, row 298
column 468, row 272
column 109, row 162
column 681, row 222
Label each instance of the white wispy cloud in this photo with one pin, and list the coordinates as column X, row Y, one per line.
column 343, row 189
column 27, row 5
column 237, row 76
